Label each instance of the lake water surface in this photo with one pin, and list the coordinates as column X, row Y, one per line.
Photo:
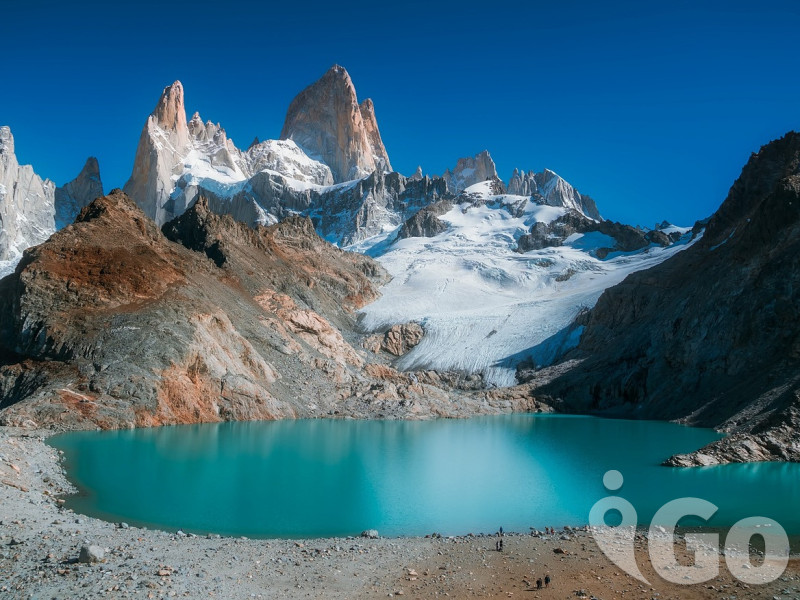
column 314, row 478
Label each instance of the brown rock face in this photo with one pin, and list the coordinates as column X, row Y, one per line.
column 170, row 112
column 327, row 122
column 379, row 154
column 398, row 340
column 711, row 335
column 110, row 323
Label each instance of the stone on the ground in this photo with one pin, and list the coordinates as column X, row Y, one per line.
column 370, row 533
column 91, row 554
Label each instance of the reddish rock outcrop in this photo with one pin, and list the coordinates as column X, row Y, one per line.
column 398, row 340
column 327, row 122
column 111, row 323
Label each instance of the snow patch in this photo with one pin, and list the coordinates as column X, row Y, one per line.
column 723, row 242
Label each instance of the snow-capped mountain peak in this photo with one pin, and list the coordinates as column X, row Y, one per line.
column 26, row 205
column 549, row 188
column 178, row 160
column 470, row 170
column 30, row 205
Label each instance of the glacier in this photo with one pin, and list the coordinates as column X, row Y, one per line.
column 485, row 307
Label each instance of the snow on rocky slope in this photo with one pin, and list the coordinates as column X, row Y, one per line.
column 307, row 171
column 486, row 307
column 26, row 205
column 31, row 207
column 177, row 161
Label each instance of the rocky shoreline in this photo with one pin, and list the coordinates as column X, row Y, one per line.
column 41, row 546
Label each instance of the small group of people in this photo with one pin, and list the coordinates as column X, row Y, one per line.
column 498, row 545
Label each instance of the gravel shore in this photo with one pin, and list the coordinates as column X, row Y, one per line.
column 41, row 541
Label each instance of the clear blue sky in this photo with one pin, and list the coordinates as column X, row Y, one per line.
column 652, row 108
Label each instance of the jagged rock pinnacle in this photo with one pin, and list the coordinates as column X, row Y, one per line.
column 26, row 204
column 326, row 121
column 170, row 112
column 469, row 171
column 73, row 196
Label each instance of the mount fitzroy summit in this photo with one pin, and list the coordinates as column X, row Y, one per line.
column 330, row 164
column 212, row 288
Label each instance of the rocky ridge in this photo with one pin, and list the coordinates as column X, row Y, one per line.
column 114, row 323
column 74, row 195
column 469, row 171
column 624, row 238
column 178, row 161
column 377, row 204
column 26, row 202
column 330, row 164
column 709, row 336
column 550, row 189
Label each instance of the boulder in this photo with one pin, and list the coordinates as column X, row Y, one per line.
column 371, row 534
column 398, row 340
column 91, row 554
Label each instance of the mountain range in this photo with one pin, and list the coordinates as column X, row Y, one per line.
column 303, row 277
column 31, row 208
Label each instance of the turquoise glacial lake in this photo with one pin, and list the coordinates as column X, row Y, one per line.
column 314, row 478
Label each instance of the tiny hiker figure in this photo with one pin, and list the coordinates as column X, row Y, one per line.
column 539, row 583
column 547, row 581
